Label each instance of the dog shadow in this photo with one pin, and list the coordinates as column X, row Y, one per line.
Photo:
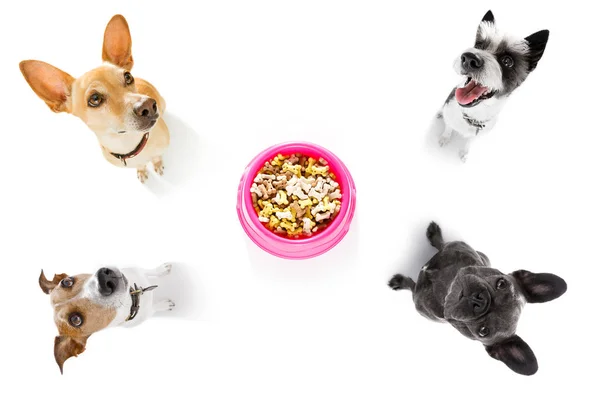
column 337, row 261
column 450, row 151
column 182, row 286
column 410, row 264
column 182, row 159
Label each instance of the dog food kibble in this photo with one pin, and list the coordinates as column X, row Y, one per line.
column 296, row 196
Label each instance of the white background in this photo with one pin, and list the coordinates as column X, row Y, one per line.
column 363, row 79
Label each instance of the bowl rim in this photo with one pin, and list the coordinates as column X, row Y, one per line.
column 343, row 177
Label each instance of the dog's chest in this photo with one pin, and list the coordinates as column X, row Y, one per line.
column 120, row 143
column 469, row 122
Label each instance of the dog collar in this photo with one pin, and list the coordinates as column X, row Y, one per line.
column 479, row 125
column 137, row 292
column 138, row 149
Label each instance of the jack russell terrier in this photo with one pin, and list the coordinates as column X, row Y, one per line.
column 458, row 285
column 85, row 304
column 124, row 113
column 490, row 71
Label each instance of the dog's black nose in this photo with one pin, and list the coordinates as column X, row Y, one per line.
column 108, row 281
column 147, row 109
column 471, row 61
column 480, row 302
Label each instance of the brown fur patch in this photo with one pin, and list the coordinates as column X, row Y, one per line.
column 116, row 48
column 46, row 285
column 95, row 317
column 60, row 294
column 50, row 83
column 118, row 98
column 66, row 301
column 66, row 347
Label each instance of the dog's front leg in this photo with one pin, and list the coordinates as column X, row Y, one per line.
column 157, row 162
column 401, row 282
column 160, row 271
column 142, row 174
column 446, row 135
column 464, row 152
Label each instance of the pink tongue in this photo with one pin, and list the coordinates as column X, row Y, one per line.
column 469, row 93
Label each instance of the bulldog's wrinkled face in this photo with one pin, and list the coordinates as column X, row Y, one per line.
column 84, row 304
column 484, row 304
column 497, row 64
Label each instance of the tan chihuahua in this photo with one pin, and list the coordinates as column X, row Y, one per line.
column 124, row 113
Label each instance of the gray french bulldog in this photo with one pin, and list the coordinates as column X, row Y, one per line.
column 459, row 286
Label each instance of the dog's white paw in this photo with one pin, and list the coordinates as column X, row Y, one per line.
column 444, row 140
column 160, row 271
column 464, row 155
column 166, row 268
column 170, row 305
column 164, row 305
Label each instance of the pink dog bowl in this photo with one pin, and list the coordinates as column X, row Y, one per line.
column 296, row 249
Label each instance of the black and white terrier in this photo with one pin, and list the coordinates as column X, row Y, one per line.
column 491, row 71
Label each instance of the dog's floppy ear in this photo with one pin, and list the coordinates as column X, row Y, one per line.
column 516, row 354
column 539, row 288
column 47, row 285
column 50, row 83
column 117, row 43
column 488, row 17
column 66, row 347
column 537, row 45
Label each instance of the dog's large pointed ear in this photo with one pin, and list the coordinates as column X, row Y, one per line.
column 539, row 288
column 537, row 45
column 50, row 83
column 66, row 347
column 516, row 354
column 117, row 43
column 47, row 285
column 488, row 17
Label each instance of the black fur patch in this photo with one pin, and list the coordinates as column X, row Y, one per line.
column 434, row 235
column 488, row 17
column 516, row 354
column 537, row 45
column 512, row 77
column 400, row 282
column 540, row 288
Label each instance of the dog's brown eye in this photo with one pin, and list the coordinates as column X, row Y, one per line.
column 128, row 78
column 501, row 284
column 484, row 331
column 67, row 282
column 507, row 61
column 95, row 100
column 76, row 320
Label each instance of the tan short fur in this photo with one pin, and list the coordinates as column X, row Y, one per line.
column 114, row 121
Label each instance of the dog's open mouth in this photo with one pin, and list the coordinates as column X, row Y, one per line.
column 472, row 93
